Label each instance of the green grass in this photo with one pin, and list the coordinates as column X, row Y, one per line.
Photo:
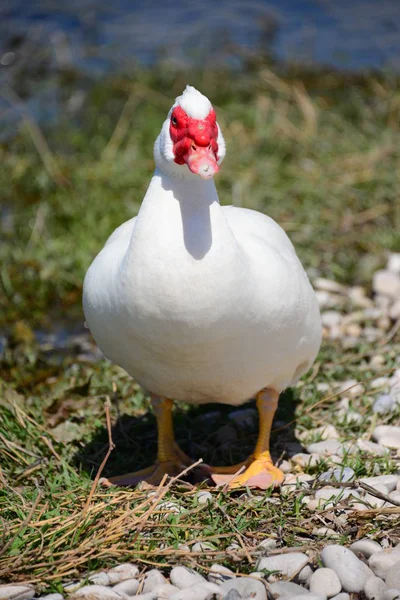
column 318, row 152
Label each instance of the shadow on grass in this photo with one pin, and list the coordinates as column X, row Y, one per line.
column 219, row 434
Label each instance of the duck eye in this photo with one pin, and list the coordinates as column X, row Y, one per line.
column 174, row 120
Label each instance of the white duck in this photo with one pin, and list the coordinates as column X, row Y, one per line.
column 198, row 302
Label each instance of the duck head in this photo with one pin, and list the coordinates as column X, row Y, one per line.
column 190, row 142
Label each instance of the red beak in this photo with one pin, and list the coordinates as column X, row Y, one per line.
column 201, row 161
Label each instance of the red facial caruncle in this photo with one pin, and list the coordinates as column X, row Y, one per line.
column 195, row 142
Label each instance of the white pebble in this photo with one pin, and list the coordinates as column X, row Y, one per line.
column 387, row 435
column 219, row 573
column 285, row 590
column 267, row 544
column 383, row 404
column 16, row 592
column 202, row 547
column 342, row 596
column 371, row 448
column 365, row 547
column 393, row 575
column 325, row 448
column 154, row 578
column 391, row 595
column 352, row 572
column 381, row 561
column 183, row 577
column 165, row 591
column 374, row 588
column 287, row 564
column 100, row 578
column 325, row 532
column 340, row 475
column 51, row 597
column 128, row 587
column 328, row 285
column 386, row 283
column 394, row 311
column 308, row 596
column 198, row 591
column 330, row 318
column 122, row 572
column 393, row 263
column 325, row 581
column 246, row 586
column 204, row 497
column 390, row 481
column 305, row 460
column 95, row 592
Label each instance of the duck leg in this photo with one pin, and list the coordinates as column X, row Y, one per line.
column 260, row 471
column 170, row 459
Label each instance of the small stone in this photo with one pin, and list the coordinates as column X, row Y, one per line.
column 373, row 500
column 308, row 596
column 246, row 586
column 154, row 578
column 51, row 597
column 293, row 482
column 383, row 404
column 377, row 362
column 147, row 596
column 352, row 572
column 204, row 497
column 285, row 590
column 325, row 532
column 128, row 587
column 304, row 460
column 72, row 586
column 16, row 592
column 100, row 578
column 325, row 448
column 342, row 596
column 268, row 544
column 165, row 591
column 340, row 475
column 391, row 595
column 386, row 283
column 285, row 466
column 326, row 432
column 287, row 564
column 374, row 588
column 394, row 311
column 219, row 573
column 244, row 418
column 122, row 572
column 393, row 263
column 233, row 595
column 387, row 435
column 183, row 577
column 328, row 285
column 393, row 575
column 365, row 547
column 371, row 448
column 380, row 562
column 96, row 592
column 202, row 547
column 199, row 591
column 325, row 581
column 330, row 318
column 390, row 481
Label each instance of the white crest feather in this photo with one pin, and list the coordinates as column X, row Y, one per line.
column 195, row 105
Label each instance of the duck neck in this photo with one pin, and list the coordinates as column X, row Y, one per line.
column 182, row 215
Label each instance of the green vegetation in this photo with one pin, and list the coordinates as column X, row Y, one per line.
column 319, row 153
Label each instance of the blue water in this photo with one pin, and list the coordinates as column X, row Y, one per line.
column 95, row 34
column 42, row 38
